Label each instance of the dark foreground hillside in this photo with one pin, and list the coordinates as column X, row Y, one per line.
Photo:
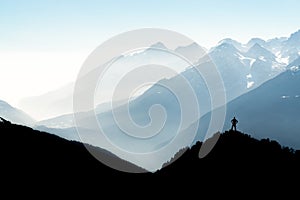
column 32, row 158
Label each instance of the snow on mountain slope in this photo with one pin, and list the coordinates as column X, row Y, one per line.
column 269, row 111
column 248, row 74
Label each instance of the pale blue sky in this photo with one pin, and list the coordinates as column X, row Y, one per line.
column 72, row 24
column 44, row 43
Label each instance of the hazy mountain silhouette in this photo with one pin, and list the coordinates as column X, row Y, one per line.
column 192, row 52
column 271, row 110
column 33, row 158
column 243, row 67
column 267, row 111
column 15, row 115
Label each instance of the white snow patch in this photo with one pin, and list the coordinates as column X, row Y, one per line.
column 278, row 66
column 241, row 56
column 246, row 60
column 252, row 61
column 285, row 97
column 244, row 48
column 280, row 59
column 285, row 60
column 294, row 68
column 262, row 58
column 250, row 84
column 248, row 76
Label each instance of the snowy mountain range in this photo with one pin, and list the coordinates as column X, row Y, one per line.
column 269, row 111
column 60, row 101
column 260, row 80
column 242, row 66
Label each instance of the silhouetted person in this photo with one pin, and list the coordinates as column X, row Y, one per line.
column 234, row 121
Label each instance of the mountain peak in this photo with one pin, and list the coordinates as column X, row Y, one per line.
column 257, row 51
column 193, row 51
column 235, row 43
column 296, row 34
column 254, row 41
column 226, row 46
column 192, row 45
column 256, row 46
column 158, row 45
column 294, row 39
column 228, row 40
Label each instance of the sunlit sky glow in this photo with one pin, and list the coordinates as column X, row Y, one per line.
column 44, row 43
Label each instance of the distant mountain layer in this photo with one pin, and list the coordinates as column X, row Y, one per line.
column 271, row 110
column 268, row 112
column 15, row 115
column 33, row 158
column 242, row 67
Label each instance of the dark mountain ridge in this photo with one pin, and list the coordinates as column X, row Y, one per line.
column 33, row 158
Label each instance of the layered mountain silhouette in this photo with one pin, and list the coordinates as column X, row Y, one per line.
column 271, row 110
column 265, row 103
column 26, row 149
column 260, row 80
column 237, row 160
column 15, row 115
column 245, row 67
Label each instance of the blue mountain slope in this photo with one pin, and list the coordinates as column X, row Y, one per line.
column 271, row 110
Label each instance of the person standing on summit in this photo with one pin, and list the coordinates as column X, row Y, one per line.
column 234, row 121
